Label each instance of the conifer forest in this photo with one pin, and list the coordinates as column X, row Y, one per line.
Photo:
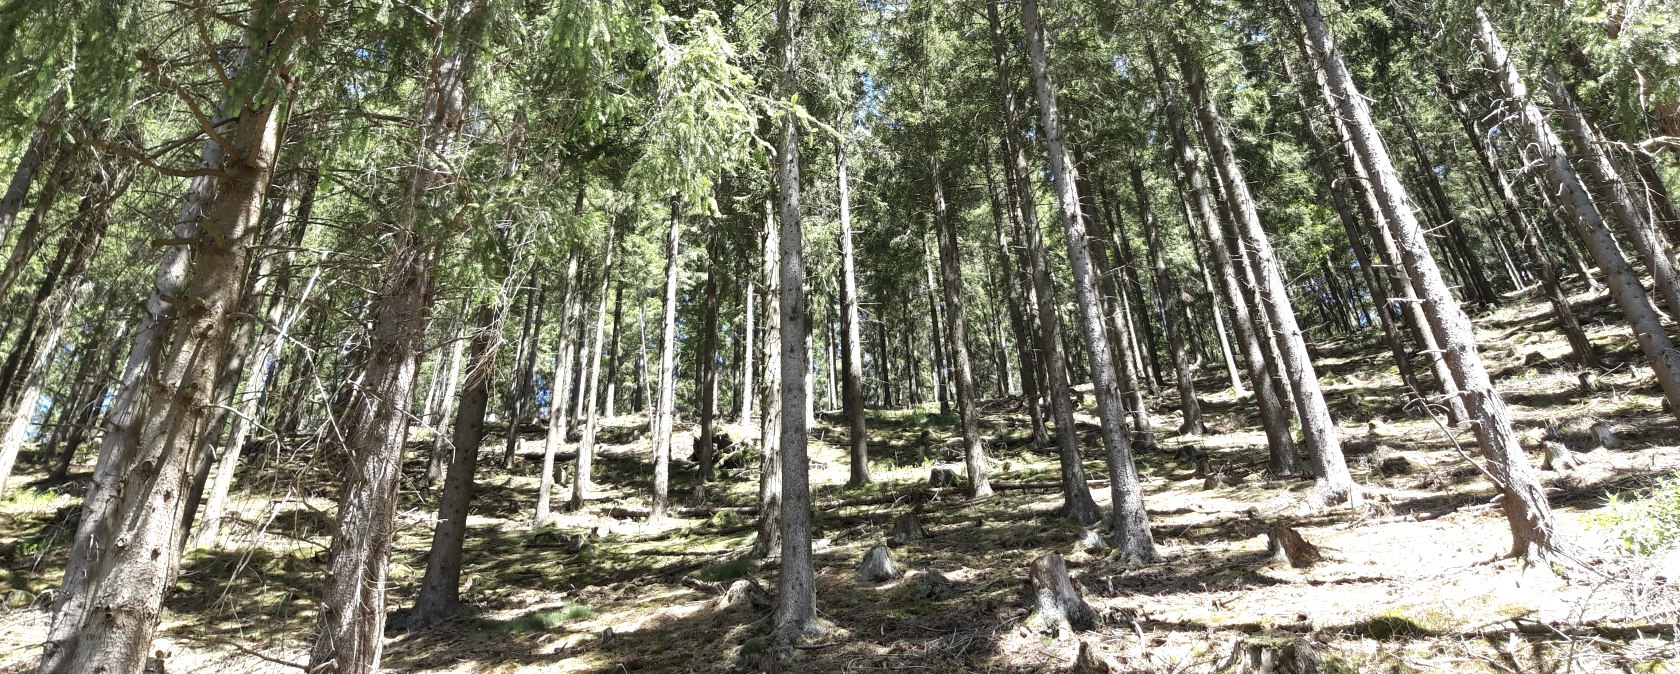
column 947, row 336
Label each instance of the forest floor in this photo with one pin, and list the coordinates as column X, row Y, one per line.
column 1413, row 579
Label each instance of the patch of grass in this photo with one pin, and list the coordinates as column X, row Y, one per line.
column 548, row 619
column 32, row 499
column 1647, row 525
column 1392, row 625
column 730, row 570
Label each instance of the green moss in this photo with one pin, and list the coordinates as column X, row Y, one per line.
column 1392, row 625
column 548, row 619
column 730, row 570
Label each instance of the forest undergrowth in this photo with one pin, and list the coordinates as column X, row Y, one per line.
column 1413, row 577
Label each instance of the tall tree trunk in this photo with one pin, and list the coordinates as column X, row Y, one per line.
column 852, row 344
column 936, row 363
column 1132, row 537
column 1623, row 284
column 1111, row 281
column 351, row 624
column 583, row 480
column 705, row 382
column 1456, row 241
column 796, row 597
column 1012, row 285
column 1334, row 483
column 1524, row 503
column 438, row 458
column 666, row 409
column 1167, row 295
column 125, row 553
column 560, row 391
column 968, row 403
column 1581, row 348
column 748, row 393
column 608, row 406
column 41, row 142
column 1350, row 227
column 1284, row 458
column 1076, row 494
column 769, row 540
column 440, row 587
column 1203, row 266
column 519, row 379
column 1604, row 179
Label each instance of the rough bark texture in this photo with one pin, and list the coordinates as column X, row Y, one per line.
column 705, row 383
column 796, row 596
column 1623, row 284
column 1284, row 457
column 769, row 540
column 968, row 401
column 126, row 551
column 852, row 343
column 440, row 588
column 1131, row 524
column 1524, row 503
column 1076, row 495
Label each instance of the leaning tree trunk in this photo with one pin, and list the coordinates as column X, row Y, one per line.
column 968, row 403
column 1076, row 494
column 1606, row 181
column 1524, row 502
column 665, row 410
column 1132, row 537
column 852, row 343
column 1334, row 483
column 582, row 482
column 1623, row 284
column 351, row 624
column 1581, row 348
column 1167, row 293
column 125, row 554
column 1011, row 284
column 440, row 588
column 796, row 597
column 560, row 391
column 1284, row 459
column 41, row 142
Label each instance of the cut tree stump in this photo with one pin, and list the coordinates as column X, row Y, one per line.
column 1266, row 654
column 878, row 566
column 1089, row 661
column 905, row 528
column 942, row 478
column 929, row 585
column 747, row 592
column 1057, row 606
column 1604, row 437
column 1589, row 382
column 1558, row 457
column 1287, row 545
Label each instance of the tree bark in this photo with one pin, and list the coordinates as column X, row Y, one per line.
column 1167, row 294
column 1076, row 494
column 1132, row 537
column 968, row 403
column 41, row 142
column 665, row 409
column 1334, row 483
column 852, row 343
column 1524, row 502
column 125, row 553
column 795, row 617
column 583, row 478
column 440, row 588
column 1284, row 459
column 705, row 383
column 1623, row 284
column 560, row 391
column 769, row 540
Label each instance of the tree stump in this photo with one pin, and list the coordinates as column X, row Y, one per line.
column 878, row 566
column 1604, row 437
column 1089, row 661
column 942, row 477
column 1264, row 654
column 1287, row 545
column 1558, row 457
column 905, row 528
column 1589, row 382
column 929, row 585
column 1057, row 606
column 747, row 592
